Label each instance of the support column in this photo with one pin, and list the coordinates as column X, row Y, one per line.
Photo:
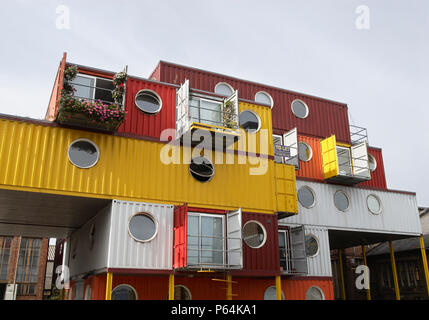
column 228, row 287
column 425, row 262
column 368, row 291
column 278, row 287
column 395, row 275
column 109, row 281
column 343, row 287
column 171, row 286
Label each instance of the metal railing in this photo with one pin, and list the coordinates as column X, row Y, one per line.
column 358, row 134
column 212, row 261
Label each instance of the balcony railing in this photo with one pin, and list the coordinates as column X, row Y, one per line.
column 358, row 134
column 206, row 255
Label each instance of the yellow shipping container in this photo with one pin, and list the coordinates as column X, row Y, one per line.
column 33, row 157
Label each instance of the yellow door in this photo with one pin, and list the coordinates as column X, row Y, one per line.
column 329, row 157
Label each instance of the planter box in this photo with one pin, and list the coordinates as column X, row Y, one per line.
column 81, row 120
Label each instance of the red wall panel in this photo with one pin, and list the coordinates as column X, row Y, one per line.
column 378, row 176
column 137, row 122
column 295, row 289
column 264, row 260
column 325, row 117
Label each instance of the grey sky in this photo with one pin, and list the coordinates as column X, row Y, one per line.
column 307, row 46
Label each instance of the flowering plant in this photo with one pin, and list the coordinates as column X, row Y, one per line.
column 119, row 81
column 69, row 74
column 229, row 116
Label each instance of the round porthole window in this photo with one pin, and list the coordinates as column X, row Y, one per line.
column 374, row 204
column 148, row 101
column 299, row 109
column 341, row 200
column 181, row 293
column 264, row 98
column 142, row 227
column 83, row 153
column 249, row 121
column 304, row 152
column 270, row 294
column 314, row 293
column 254, row 234
column 311, row 245
column 372, row 162
column 223, row 89
column 124, row 292
column 201, row 169
column 306, row 197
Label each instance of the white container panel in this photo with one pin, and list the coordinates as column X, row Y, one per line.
column 399, row 214
column 126, row 252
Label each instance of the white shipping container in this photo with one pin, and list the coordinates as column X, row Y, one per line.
column 399, row 214
column 126, row 252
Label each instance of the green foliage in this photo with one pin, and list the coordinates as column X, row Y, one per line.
column 229, row 115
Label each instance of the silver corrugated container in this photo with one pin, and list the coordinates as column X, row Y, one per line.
column 320, row 264
column 399, row 214
column 125, row 252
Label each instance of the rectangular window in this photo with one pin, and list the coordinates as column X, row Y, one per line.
column 293, row 258
column 206, row 241
column 206, row 111
column 5, row 244
column 277, row 140
column 93, row 88
column 344, row 161
column 28, row 266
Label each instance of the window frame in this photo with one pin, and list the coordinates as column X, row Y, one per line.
column 306, row 107
column 318, row 245
column 227, row 84
column 379, row 203
column 186, row 289
column 150, row 216
column 314, row 196
column 370, row 156
column 263, row 230
column 90, row 142
column 281, row 143
column 274, row 287
column 256, row 115
column 199, row 215
column 319, row 289
column 126, row 285
column 95, row 87
column 309, row 148
column 190, row 171
column 157, row 97
column 269, row 98
column 348, row 199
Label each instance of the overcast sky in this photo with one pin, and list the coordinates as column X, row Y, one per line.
column 309, row 46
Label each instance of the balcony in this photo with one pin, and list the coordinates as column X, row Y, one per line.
column 293, row 257
column 91, row 102
column 212, row 115
column 346, row 164
column 207, row 241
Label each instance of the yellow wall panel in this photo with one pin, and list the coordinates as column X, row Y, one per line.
column 34, row 157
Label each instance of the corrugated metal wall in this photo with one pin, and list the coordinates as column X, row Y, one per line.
column 313, row 167
column 137, row 122
column 125, row 252
column 34, row 157
column 286, row 199
column 319, row 265
column 296, row 288
column 399, row 215
column 325, row 117
column 263, row 260
column 378, row 176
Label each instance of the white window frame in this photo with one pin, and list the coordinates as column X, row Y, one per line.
column 314, row 196
column 319, row 289
column 150, row 216
column 309, row 148
column 228, row 85
column 156, row 96
column 281, row 143
column 306, row 107
column 348, row 199
column 268, row 95
column 349, row 165
column 370, row 156
column 379, row 202
column 273, row 287
column 256, row 115
column 95, row 85
column 86, row 140
column 263, row 230
column 199, row 215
